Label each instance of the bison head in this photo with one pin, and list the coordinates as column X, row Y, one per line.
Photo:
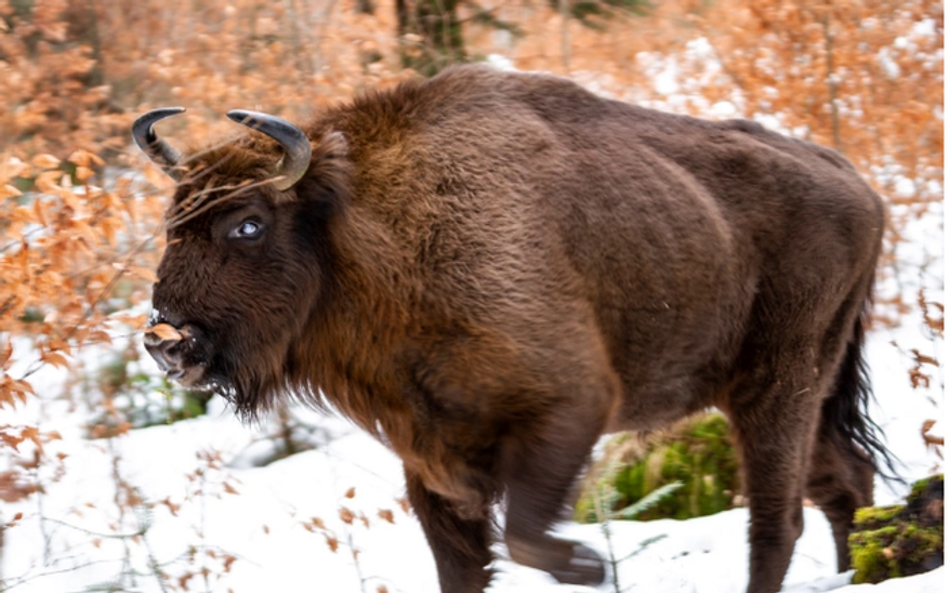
column 246, row 260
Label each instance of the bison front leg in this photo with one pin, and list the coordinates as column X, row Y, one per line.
column 541, row 475
column 460, row 546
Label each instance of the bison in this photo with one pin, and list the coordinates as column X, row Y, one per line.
column 488, row 270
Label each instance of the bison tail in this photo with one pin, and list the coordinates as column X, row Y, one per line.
column 846, row 411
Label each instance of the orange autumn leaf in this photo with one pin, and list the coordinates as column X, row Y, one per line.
column 84, row 158
column 83, row 174
column 346, row 515
column 8, row 191
column 144, row 273
column 387, row 515
column 55, row 358
column 6, row 355
column 165, row 332
column 45, row 161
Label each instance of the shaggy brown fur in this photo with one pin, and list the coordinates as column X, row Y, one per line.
column 489, row 270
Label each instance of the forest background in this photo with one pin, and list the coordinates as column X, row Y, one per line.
column 81, row 209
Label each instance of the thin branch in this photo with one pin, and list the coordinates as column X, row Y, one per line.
column 6, row 586
column 139, row 533
column 832, row 84
column 564, row 33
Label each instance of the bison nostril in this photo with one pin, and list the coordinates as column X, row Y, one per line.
column 166, row 353
column 152, row 340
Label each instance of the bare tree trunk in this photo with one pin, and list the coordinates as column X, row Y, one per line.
column 246, row 53
column 323, row 23
column 832, row 83
column 286, row 429
column 295, row 35
column 564, row 33
column 402, row 16
column 436, row 23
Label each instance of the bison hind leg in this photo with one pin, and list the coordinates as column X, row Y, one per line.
column 774, row 415
column 839, row 482
column 843, row 464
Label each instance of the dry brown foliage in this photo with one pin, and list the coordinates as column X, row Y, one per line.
column 80, row 233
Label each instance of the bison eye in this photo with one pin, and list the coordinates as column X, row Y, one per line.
column 248, row 229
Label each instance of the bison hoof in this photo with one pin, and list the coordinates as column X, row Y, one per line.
column 567, row 561
column 584, row 568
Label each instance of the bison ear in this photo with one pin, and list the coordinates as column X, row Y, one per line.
column 329, row 172
column 332, row 146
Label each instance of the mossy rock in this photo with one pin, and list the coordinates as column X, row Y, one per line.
column 901, row 540
column 697, row 453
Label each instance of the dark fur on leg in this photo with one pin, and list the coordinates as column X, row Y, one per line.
column 460, row 546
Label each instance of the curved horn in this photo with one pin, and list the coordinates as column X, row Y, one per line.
column 160, row 152
column 295, row 161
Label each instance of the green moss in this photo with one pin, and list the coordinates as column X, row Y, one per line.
column 871, row 517
column 869, row 560
column 697, row 453
column 919, row 487
column 891, row 542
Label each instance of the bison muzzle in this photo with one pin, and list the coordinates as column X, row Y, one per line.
column 487, row 271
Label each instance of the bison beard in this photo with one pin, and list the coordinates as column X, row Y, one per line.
column 490, row 270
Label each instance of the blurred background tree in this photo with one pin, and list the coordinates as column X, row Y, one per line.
column 863, row 77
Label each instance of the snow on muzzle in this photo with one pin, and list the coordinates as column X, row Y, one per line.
column 183, row 353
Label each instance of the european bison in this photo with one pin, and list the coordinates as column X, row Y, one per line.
column 489, row 270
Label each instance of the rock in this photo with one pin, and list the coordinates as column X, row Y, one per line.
column 901, row 540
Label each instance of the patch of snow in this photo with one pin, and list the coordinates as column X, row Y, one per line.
column 501, row 62
column 723, row 109
column 904, row 187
